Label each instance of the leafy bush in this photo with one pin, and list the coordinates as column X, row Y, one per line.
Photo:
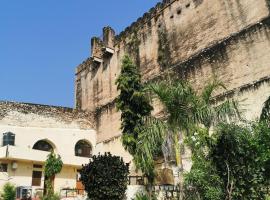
column 9, row 192
column 203, row 182
column 241, row 156
column 105, row 177
column 233, row 163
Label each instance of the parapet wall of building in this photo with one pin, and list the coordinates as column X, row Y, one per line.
column 44, row 116
column 196, row 39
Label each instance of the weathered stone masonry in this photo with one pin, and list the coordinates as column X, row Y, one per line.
column 195, row 39
column 45, row 116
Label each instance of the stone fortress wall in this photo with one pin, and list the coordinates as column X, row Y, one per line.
column 195, row 39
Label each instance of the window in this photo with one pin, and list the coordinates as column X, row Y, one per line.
column 43, row 145
column 8, row 139
column 83, row 149
column 3, row 167
column 36, row 178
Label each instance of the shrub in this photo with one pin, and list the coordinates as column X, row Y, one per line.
column 241, row 157
column 105, row 177
column 203, row 182
column 233, row 163
column 9, row 192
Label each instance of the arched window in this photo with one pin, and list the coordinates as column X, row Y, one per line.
column 43, row 145
column 83, row 149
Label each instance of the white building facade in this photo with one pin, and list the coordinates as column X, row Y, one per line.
column 29, row 132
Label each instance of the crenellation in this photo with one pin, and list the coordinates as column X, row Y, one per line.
column 154, row 12
column 96, row 47
column 108, row 37
column 145, row 19
column 82, row 66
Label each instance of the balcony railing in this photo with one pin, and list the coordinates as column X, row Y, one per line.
column 67, row 192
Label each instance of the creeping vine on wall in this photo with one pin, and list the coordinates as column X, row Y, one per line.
column 164, row 54
column 133, row 48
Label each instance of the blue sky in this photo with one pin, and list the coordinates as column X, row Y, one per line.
column 41, row 43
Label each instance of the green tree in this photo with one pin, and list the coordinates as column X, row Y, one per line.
column 175, row 96
column 9, row 192
column 233, row 163
column 241, row 156
column 105, row 177
column 53, row 166
column 211, row 114
column 132, row 103
column 184, row 111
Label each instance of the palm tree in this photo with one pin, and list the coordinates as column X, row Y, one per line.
column 184, row 109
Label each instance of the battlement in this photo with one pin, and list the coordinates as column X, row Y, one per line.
column 146, row 18
column 172, row 32
column 188, row 19
column 105, row 46
column 194, row 39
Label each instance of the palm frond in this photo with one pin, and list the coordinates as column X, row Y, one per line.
column 179, row 101
column 227, row 110
column 149, row 142
column 210, row 88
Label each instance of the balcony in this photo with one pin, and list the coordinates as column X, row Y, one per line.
column 32, row 155
column 23, row 154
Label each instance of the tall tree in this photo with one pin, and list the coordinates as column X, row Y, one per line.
column 53, row 166
column 132, row 103
column 185, row 110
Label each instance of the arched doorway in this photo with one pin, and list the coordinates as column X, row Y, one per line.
column 42, row 145
column 83, row 148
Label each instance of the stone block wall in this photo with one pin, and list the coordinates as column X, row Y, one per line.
column 197, row 40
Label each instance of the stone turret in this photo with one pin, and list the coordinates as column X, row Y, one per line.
column 96, row 49
column 108, row 37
